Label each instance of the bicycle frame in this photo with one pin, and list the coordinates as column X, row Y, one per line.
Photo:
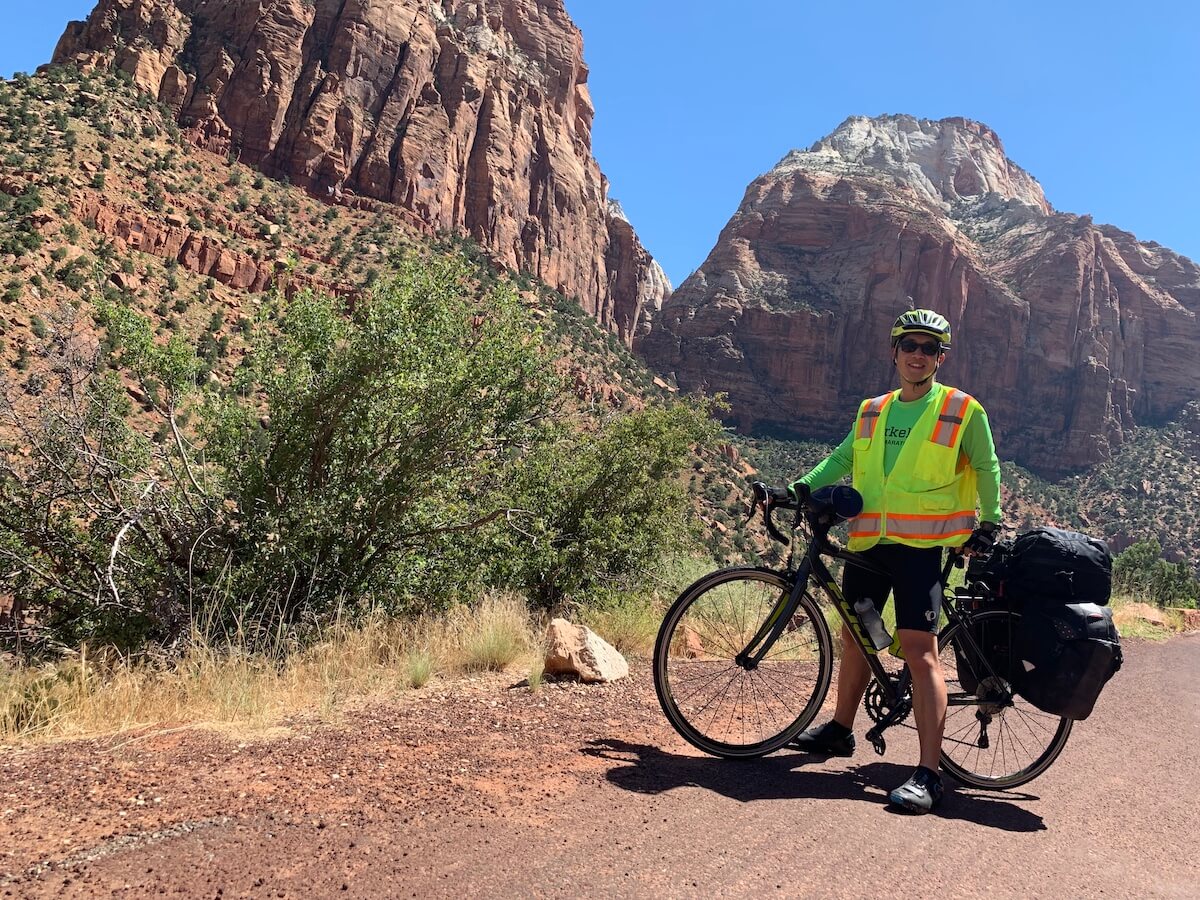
column 812, row 565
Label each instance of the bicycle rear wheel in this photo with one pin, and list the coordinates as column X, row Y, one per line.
column 994, row 738
column 724, row 708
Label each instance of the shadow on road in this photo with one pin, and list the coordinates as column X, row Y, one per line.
column 648, row 770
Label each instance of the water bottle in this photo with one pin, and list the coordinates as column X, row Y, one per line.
column 873, row 623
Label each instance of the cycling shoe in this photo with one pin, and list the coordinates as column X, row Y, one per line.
column 830, row 739
column 921, row 793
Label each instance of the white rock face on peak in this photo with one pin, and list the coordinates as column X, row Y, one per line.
column 944, row 161
column 616, row 211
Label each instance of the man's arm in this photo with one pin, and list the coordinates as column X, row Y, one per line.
column 832, row 469
column 977, row 443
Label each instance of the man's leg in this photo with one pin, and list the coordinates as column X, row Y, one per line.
column 836, row 737
column 918, row 592
column 853, row 677
column 929, row 692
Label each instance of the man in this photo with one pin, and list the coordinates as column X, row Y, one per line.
column 921, row 457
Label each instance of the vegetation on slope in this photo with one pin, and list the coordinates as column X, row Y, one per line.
column 397, row 442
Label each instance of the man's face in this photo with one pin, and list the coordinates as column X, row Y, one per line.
column 917, row 357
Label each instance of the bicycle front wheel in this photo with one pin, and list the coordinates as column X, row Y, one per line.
column 725, row 708
column 994, row 738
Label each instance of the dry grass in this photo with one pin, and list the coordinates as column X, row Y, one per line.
column 229, row 687
column 1137, row 619
column 537, row 672
column 495, row 635
column 630, row 624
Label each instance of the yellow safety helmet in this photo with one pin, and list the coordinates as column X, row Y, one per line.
column 922, row 321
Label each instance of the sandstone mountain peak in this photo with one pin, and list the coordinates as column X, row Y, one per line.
column 472, row 115
column 945, row 161
column 1072, row 333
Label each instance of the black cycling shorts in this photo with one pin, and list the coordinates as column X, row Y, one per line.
column 915, row 583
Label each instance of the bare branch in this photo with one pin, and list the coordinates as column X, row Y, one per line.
column 445, row 529
column 46, row 577
column 192, row 554
column 182, row 452
column 112, row 556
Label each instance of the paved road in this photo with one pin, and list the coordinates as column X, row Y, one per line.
column 574, row 792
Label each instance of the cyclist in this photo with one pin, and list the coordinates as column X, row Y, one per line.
column 921, row 457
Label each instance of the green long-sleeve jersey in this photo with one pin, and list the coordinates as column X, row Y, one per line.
column 977, row 444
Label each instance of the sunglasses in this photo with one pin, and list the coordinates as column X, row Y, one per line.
column 908, row 345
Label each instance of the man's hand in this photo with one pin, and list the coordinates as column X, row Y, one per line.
column 981, row 540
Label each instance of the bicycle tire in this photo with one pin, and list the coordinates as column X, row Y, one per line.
column 1021, row 742
column 719, row 706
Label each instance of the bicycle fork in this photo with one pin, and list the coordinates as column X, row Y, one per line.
column 770, row 630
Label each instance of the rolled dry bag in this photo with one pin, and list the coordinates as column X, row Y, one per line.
column 1067, row 653
column 1059, row 565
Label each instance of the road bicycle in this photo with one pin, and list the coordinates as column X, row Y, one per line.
column 744, row 658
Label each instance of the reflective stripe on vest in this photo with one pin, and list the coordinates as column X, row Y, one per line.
column 930, row 528
column 865, row 525
column 950, row 419
column 903, row 526
column 870, row 415
column 912, row 527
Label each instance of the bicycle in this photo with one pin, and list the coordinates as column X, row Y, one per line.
column 744, row 659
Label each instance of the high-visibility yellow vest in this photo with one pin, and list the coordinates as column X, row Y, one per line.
column 929, row 498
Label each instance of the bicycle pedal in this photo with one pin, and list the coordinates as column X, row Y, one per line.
column 879, row 744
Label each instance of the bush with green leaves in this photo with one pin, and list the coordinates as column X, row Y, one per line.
column 1141, row 570
column 389, row 429
column 600, row 510
column 400, row 454
column 24, row 235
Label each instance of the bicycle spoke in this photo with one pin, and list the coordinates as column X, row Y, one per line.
column 1022, row 741
column 719, row 705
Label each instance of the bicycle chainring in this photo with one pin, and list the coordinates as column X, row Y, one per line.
column 877, row 706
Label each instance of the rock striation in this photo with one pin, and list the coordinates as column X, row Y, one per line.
column 1070, row 333
column 475, row 116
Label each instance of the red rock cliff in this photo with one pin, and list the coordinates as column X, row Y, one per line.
column 1068, row 332
column 473, row 115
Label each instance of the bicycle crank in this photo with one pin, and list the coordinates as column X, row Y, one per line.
column 982, row 742
column 893, row 717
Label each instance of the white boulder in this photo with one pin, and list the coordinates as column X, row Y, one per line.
column 577, row 650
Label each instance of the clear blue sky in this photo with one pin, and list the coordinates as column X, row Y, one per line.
column 1100, row 101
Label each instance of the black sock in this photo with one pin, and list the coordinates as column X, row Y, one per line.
column 930, row 772
column 836, row 728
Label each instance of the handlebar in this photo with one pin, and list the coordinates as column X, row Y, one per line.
column 823, row 510
column 770, row 499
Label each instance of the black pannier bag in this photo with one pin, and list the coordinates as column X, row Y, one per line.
column 1067, row 653
column 1055, row 565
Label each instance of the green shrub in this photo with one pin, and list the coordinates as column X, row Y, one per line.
column 603, row 508
column 399, row 455
column 1140, row 570
column 396, row 423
